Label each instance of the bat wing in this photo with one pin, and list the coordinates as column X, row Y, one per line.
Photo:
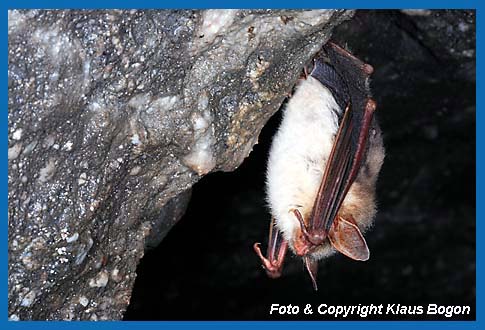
column 349, row 85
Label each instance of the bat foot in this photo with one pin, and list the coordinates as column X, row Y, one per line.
column 273, row 267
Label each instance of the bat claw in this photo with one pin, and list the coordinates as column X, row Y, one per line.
column 272, row 267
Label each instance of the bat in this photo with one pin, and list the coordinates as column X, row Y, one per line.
column 323, row 165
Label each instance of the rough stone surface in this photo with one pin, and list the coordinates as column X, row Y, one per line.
column 112, row 114
column 423, row 242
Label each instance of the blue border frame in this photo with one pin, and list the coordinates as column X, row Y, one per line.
column 381, row 4
column 346, row 4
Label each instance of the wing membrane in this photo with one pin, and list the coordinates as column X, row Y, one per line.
column 342, row 167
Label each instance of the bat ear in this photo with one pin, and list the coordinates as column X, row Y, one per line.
column 346, row 238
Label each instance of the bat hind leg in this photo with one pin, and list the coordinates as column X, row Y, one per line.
column 277, row 248
column 272, row 266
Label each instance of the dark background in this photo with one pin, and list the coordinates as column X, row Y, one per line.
column 423, row 241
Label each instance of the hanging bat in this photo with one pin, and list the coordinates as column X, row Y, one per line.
column 323, row 165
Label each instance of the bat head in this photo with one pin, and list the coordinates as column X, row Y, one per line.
column 344, row 236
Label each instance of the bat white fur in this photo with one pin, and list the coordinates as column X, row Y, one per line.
column 297, row 159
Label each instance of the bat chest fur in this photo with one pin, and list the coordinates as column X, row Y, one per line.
column 299, row 153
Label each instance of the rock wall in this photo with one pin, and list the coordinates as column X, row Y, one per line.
column 112, row 115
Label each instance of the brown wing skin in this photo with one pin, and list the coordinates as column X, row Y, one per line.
column 349, row 86
column 342, row 168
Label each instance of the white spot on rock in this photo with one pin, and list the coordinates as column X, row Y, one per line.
column 72, row 238
column 135, row 170
column 258, row 70
column 86, row 70
column 166, row 102
column 115, row 275
column 139, row 101
column 82, row 179
column 14, row 151
column 67, row 146
column 28, row 299
column 14, row 317
column 215, row 22
column 462, row 27
column 84, row 301
column 416, row 12
column 201, row 158
column 100, row 280
column 17, row 135
column 203, row 101
column 26, row 259
column 135, row 139
column 30, row 147
column 47, row 171
column 468, row 52
column 64, row 233
column 313, row 17
column 200, row 123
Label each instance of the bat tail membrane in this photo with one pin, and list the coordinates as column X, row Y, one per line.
column 346, row 238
